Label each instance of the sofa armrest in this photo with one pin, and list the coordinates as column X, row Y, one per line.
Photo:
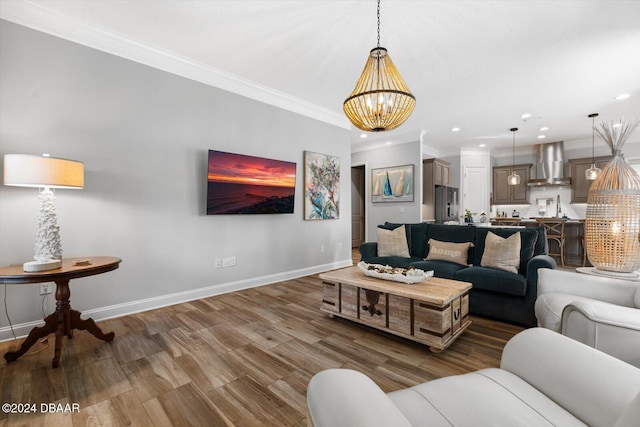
column 534, row 266
column 606, row 313
column 368, row 250
column 537, row 262
column 343, row 397
column 614, row 291
column 594, row 387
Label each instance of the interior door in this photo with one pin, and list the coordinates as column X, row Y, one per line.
column 357, row 206
column 476, row 190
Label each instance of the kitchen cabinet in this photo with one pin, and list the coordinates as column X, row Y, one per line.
column 579, row 184
column 437, row 171
column 505, row 194
column 434, row 172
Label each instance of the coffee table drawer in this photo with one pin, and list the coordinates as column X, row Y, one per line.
column 330, row 296
column 399, row 309
column 432, row 322
column 373, row 307
column 349, row 300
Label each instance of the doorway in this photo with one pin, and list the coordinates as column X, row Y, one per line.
column 357, row 206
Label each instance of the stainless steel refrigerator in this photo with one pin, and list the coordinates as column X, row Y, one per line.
column 446, row 204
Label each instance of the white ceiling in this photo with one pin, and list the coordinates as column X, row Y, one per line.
column 477, row 65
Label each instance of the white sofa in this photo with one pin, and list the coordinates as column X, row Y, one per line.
column 544, row 379
column 601, row 312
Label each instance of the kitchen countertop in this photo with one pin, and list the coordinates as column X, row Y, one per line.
column 532, row 220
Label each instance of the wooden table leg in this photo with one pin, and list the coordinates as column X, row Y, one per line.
column 50, row 325
column 62, row 323
column 90, row 326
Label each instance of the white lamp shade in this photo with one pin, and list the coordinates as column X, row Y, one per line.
column 24, row 170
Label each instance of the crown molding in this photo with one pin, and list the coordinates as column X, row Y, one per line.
column 48, row 21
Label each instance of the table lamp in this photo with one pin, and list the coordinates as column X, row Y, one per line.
column 24, row 170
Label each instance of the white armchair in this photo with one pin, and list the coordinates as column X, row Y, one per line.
column 601, row 312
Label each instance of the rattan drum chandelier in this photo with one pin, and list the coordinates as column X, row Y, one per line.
column 381, row 99
column 612, row 226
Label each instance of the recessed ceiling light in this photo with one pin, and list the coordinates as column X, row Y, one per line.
column 542, row 136
column 542, row 129
column 482, row 145
column 622, row 96
column 525, row 116
column 617, row 125
column 363, row 135
column 455, row 129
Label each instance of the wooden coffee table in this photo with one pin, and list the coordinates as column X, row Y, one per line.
column 433, row 312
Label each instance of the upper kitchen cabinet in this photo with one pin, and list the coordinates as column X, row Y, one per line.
column 579, row 184
column 437, row 170
column 434, row 172
column 505, row 194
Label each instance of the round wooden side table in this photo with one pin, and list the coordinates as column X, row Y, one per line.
column 64, row 320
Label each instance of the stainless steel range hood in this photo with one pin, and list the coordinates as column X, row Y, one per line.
column 549, row 166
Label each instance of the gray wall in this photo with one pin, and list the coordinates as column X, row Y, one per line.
column 143, row 135
column 395, row 155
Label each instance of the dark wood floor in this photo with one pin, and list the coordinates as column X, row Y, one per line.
column 242, row 359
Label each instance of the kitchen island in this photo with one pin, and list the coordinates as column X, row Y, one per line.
column 574, row 232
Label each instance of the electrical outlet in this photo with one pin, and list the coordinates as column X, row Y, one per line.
column 232, row 261
column 218, row 262
column 45, row 288
column 226, row 262
column 321, row 248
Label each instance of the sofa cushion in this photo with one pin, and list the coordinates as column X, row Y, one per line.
column 528, row 238
column 541, row 246
column 447, row 251
column 488, row 397
column 393, row 242
column 494, row 280
column 501, row 252
column 442, row 269
column 416, row 237
column 454, row 234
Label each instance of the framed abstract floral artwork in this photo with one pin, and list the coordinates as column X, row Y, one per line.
column 321, row 186
column 394, row 184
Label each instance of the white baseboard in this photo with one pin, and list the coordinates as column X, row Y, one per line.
column 124, row 309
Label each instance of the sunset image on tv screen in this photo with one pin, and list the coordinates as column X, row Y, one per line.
column 240, row 184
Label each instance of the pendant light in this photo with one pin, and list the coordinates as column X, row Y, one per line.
column 593, row 172
column 381, row 99
column 514, row 178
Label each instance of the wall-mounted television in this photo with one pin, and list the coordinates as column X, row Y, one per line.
column 240, row 184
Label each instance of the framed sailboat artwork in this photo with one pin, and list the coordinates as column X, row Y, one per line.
column 394, row 184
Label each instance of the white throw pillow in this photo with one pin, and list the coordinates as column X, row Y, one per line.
column 393, row 242
column 502, row 253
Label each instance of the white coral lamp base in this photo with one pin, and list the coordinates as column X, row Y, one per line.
column 35, row 266
column 48, row 249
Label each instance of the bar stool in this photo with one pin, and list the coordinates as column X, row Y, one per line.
column 554, row 228
column 507, row 221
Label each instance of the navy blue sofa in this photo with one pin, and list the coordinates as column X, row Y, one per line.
column 496, row 293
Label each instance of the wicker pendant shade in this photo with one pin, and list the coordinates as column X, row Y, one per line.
column 381, row 99
column 612, row 227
